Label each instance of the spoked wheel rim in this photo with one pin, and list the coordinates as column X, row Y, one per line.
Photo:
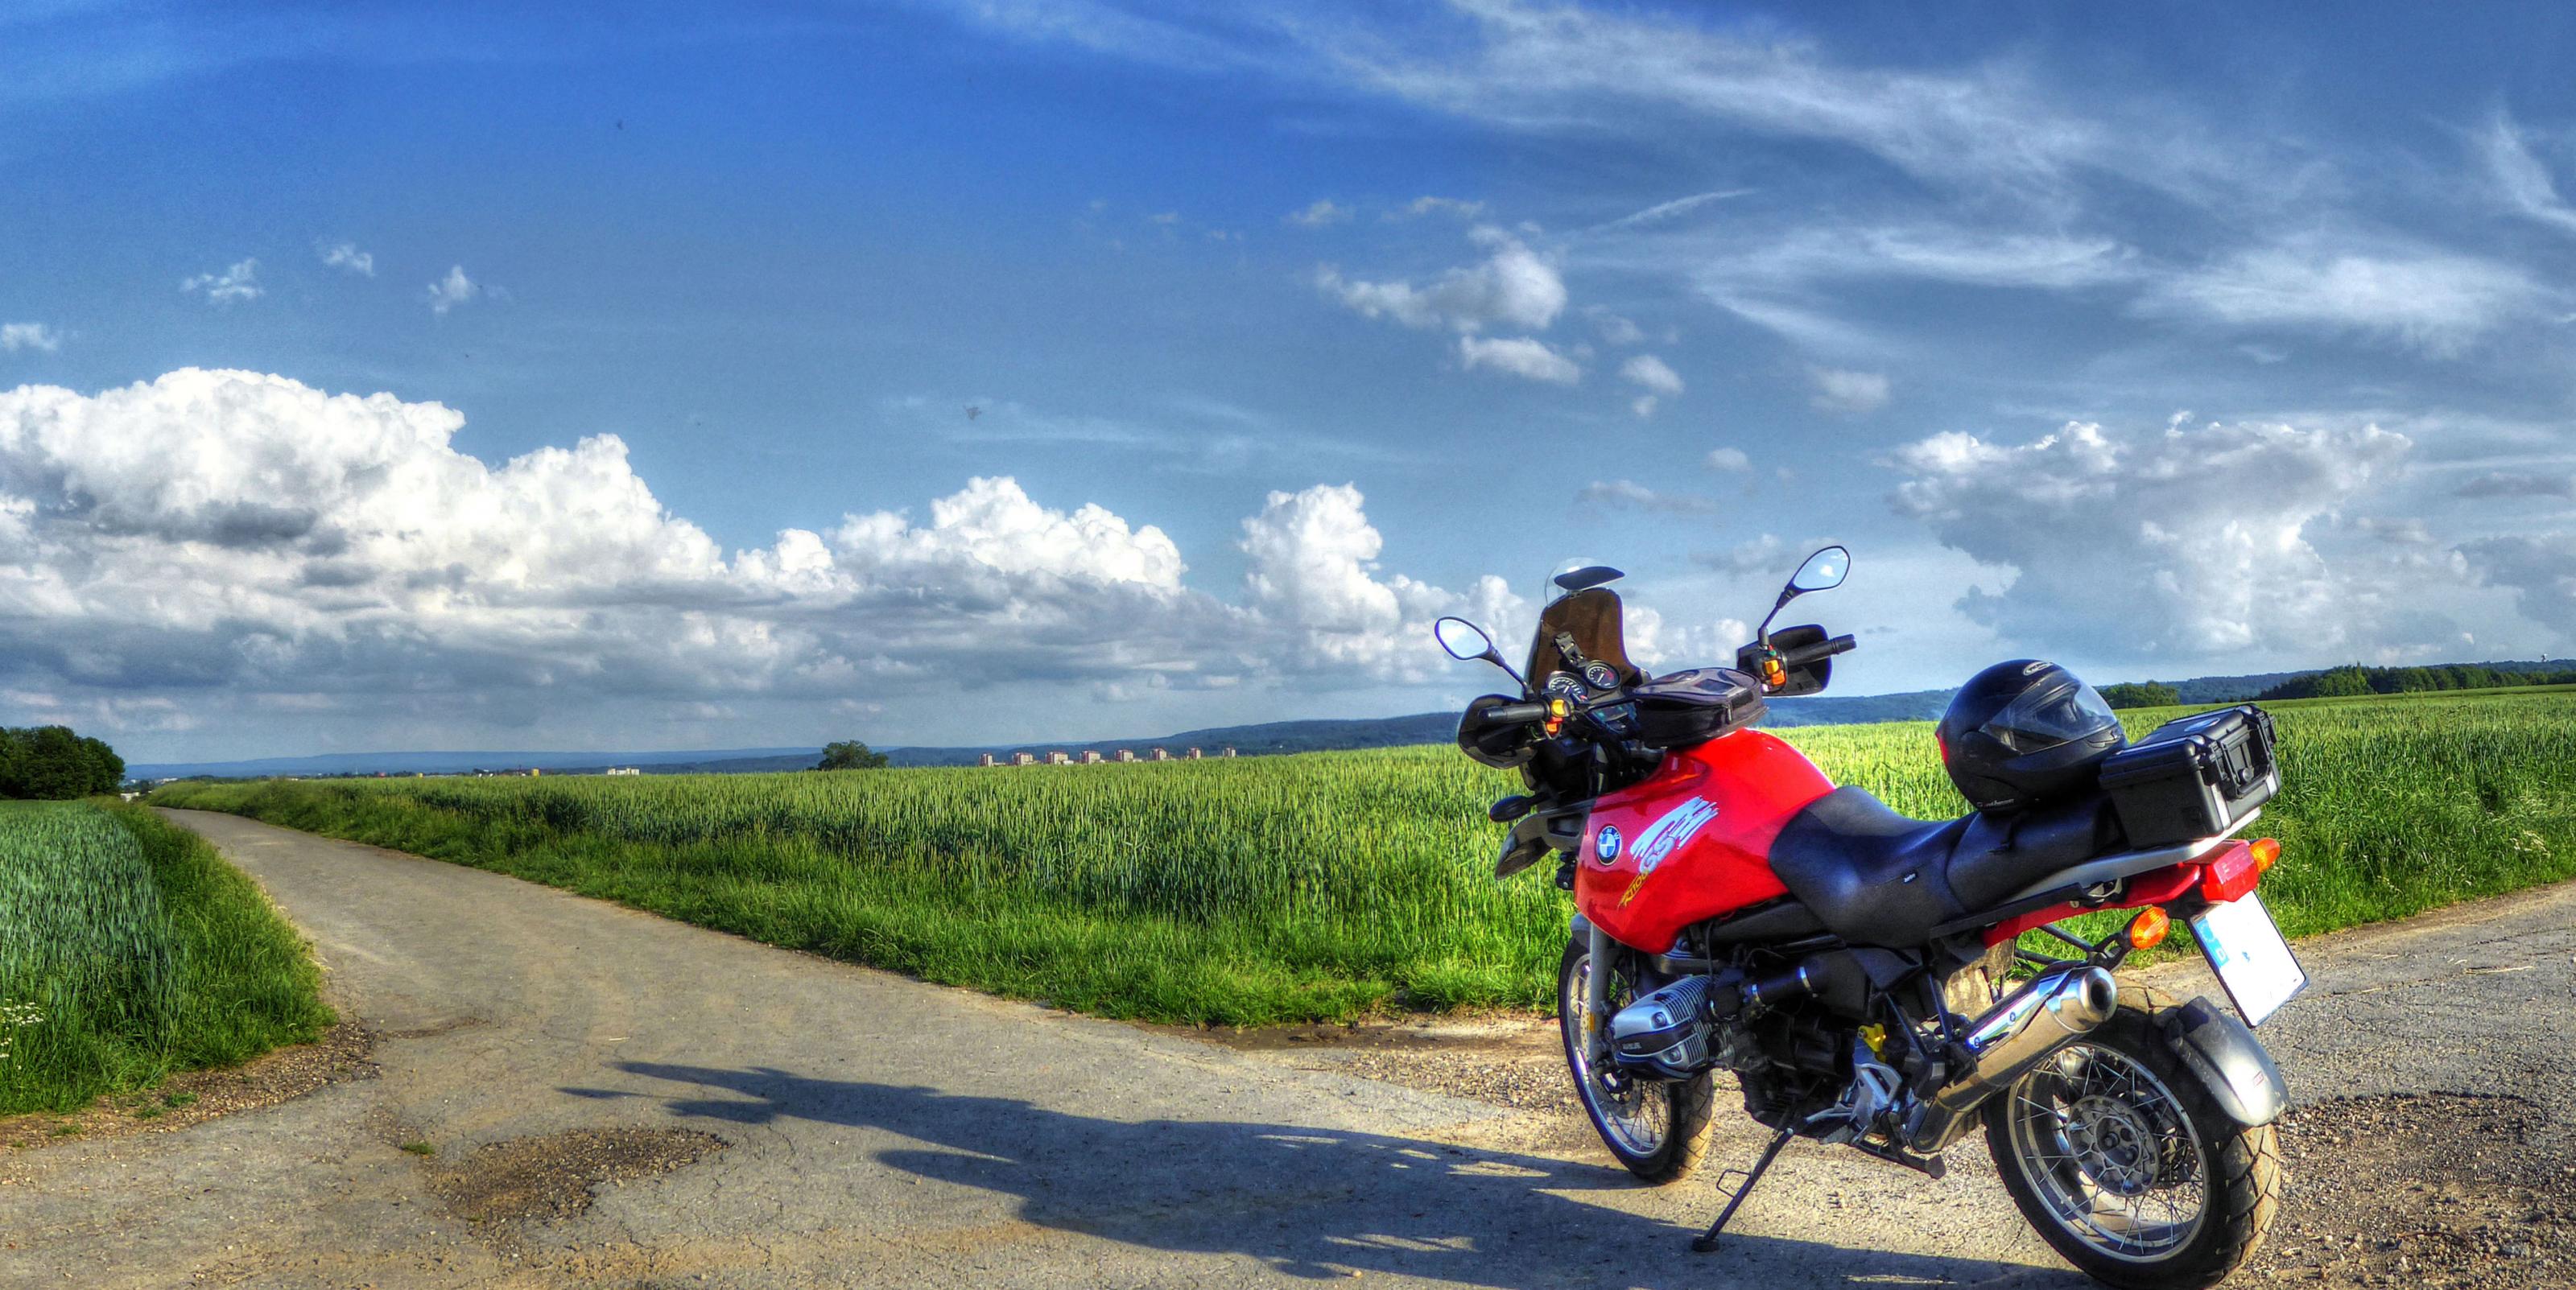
column 1637, row 1114
column 2110, row 1153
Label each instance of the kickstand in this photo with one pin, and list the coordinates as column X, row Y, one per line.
column 1735, row 1200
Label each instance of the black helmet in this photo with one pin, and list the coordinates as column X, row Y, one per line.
column 2025, row 731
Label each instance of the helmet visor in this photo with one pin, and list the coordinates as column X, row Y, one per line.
column 2059, row 710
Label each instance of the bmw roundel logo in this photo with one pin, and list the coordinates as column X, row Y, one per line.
column 1606, row 846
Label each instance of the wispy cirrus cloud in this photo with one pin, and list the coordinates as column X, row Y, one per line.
column 237, row 282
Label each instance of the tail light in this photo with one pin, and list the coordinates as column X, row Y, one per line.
column 2232, row 873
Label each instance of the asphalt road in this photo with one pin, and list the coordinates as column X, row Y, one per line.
column 883, row 1131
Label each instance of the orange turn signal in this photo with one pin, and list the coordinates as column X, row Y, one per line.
column 2267, row 852
column 2148, row 929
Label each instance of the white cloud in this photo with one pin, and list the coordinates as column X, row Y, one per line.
column 239, row 281
column 1313, row 568
column 346, row 255
column 27, row 335
column 1856, row 393
column 1513, row 286
column 1763, row 554
column 225, row 537
column 2436, row 301
column 2520, row 176
column 1451, row 206
column 1728, row 459
column 2182, row 543
column 1651, row 372
column 1520, row 356
column 1614, row 329
column 453, row 290
column 2503, row 483
column 1323, row 212
column 1626, row 493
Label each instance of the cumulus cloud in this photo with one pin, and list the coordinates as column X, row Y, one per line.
column 453, row 290
column 27, row 335
column 1513, row 286
column 1323, row 212
column 2187, row 543
column 1727, row 459
column 240, row 537
column 346, row 255
column 1854, row 393
column 238, row 281
column 1652, row 373
column 1625, row 493
column 1614, row 329
column 1522, row 356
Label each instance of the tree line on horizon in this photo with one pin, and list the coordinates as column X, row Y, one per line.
column 2353, row 681
column 52, row 763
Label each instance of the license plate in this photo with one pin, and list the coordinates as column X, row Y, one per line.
column 2245, row 948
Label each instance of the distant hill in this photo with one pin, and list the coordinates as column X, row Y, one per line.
column 1264, row 739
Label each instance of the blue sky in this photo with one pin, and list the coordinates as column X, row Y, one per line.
column 2163, row 342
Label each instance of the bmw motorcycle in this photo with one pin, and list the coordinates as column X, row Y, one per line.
column 1860, row 973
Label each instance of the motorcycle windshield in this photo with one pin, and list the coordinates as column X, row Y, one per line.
column 1590, row 623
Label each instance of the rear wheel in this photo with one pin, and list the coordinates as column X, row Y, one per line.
column 2122, row 1161
column 1659, row 1129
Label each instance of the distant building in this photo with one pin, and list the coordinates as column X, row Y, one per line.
column 1193, row 755
column 1160, row 755
column 1126, row 754
column 1024, row 759
column 625, row 770
column 1227, row 753
column 1090, row 756
column 985, row 759
column 1059, row 759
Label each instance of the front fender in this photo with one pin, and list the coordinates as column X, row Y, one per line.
column 2230, row 1062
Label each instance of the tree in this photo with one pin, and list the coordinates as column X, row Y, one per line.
column 850, row 755
column 2141, row 694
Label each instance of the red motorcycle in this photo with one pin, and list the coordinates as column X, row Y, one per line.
column 1860, row 974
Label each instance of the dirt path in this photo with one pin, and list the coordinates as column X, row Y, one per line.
column 594, row 1096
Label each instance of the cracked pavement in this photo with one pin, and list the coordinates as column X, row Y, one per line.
column 883, row 1131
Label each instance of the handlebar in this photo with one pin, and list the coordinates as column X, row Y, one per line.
column 1514, row 714
column 1819, row 650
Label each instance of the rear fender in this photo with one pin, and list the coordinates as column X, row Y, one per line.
column 2229, row 1061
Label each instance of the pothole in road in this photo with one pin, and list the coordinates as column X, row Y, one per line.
column 2434, row 1189
column 554, row 1176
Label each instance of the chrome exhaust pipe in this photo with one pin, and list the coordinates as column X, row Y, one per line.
column 2015, row 1036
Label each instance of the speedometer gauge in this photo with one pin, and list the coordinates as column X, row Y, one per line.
column 1566, row 686
column 1600, row 675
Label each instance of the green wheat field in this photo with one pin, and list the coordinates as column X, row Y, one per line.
column 128, row 950
column 1333, row 885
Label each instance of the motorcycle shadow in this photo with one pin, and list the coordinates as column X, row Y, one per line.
column 1314, row 1202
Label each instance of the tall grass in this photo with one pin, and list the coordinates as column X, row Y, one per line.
column 1326, row 885
column 129, row 949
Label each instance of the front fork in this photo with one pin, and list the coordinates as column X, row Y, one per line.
column 1596, row 995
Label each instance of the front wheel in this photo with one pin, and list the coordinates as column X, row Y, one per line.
column 2122, row 1161
column 1659, row 1129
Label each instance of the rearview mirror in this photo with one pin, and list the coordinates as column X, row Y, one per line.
column 1467, row 643
column 1823, row 571
column 1464, row 640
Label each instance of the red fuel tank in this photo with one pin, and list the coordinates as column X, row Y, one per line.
column 1693, row 840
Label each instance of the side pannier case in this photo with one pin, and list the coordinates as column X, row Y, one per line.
column 2193, row 777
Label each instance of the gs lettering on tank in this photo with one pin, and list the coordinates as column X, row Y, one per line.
column 1693, row 840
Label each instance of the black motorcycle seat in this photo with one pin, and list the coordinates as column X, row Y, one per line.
column 1874, row 877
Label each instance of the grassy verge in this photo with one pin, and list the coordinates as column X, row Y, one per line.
column 1328, row 885
column 128, row 950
